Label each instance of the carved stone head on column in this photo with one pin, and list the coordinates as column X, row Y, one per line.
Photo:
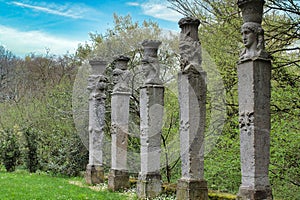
column 253, row 33
column 150, row 64
column 253, row 39
column 189, row 44
column 121, row 75
column 100, row 88
column 97, row 81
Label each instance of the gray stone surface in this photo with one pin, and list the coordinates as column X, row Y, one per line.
column 151, row 118
column 118, row 176
column 118, row 179
column 151, row 113
column 254, row 110
column 192, row 99
column 192, row 95
column 94, row 174
column 188, row 189
column 97, row 87
column 119, row 130
column 254, row 74
column 149, row 185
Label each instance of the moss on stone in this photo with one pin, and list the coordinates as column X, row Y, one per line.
column 213, row 195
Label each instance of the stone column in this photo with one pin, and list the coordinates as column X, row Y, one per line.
column 118, row 177
column 97, row 86
column 254, row 73
column 151, row 117
column 192, row 98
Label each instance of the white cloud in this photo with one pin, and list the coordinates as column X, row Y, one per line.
column 75, row 11
column 133, row 3
column 22, row 43
column 158, row 9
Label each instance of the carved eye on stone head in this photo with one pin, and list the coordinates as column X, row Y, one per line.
column 246, row 31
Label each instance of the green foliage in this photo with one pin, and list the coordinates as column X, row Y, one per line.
column 285, row 143
column 170, row 154
column 60, row 148
column 31, row 156
column 43, row 112
column 222, row 164
column 9, row 148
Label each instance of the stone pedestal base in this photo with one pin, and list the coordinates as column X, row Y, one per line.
column 246, row 193
column 149, row 185
column 192, row 190
column 94, row 174
column 118, row 179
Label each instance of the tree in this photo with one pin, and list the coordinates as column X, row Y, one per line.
column 42, row 108
column 8, row 63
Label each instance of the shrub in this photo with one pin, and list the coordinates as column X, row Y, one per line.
column 9, row 147
column 31, row 158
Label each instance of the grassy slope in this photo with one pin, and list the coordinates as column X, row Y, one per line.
column 21, row 185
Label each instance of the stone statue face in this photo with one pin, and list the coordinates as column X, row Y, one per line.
column 101, row 85
column 146, row 67
column 185, row 46
column 249, row 37
column 116, row 76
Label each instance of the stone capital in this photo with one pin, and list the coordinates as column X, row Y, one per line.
column 252, row 10
column 189, row 26
column 98, row 65
column 151, row 47
column 121, row 62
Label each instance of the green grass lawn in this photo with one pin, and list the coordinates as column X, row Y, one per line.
column 21, row 185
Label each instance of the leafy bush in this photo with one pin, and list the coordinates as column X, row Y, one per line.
column 60, row 150
column 9, row 147
column 31, row 157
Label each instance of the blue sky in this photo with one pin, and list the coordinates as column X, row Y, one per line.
column 28, row 26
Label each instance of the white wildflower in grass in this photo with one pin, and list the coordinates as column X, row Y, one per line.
column 165, row 197
column 99, row 187
column 130, row 193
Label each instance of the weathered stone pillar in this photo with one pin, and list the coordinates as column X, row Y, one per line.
column 254, row 73
column 97, row 86
column 151, row 117
column 192, row 98
column 118, row 177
